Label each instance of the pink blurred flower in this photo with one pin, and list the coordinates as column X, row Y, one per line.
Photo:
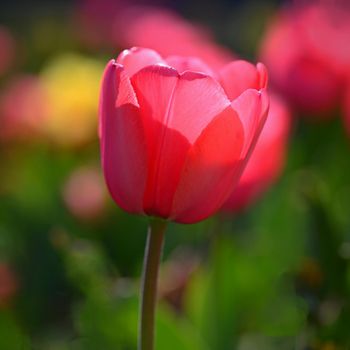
column 326, row 30
column 173, row 142
column 175, row 276
column 22, row 107
column 267, row 160
column 93, row 21
column 7, row 50
column 84, row 193
column 169, row 34
column 8, row 284
column 307, row 53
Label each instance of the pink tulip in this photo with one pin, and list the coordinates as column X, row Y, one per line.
column 306, row 51
column 173, row 143
column 267, row 160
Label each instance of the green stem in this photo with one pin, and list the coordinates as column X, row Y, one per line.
column 151, row 263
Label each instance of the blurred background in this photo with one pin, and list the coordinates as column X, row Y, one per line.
column 271, row 271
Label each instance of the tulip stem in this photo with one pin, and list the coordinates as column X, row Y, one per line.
column 153, row 253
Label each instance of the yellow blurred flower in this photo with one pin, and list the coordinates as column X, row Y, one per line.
column 72, row 84
column 329, row 346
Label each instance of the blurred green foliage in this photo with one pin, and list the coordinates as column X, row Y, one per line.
column 274, row 277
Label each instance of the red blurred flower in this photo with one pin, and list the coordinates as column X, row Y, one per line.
column 267, row 160
column 169, row 34
column 22, row 107
column 84, row 193
column 173, row 143
column 307, row 53
column 347, row 108
column 8, row 284
column 7, row 50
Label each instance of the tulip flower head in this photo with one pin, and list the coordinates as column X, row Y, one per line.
column 176, row 136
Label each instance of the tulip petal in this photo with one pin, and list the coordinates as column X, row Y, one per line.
column 175, row 110
column 263, row 75
column 252, row 107
column 122, row 140
column 186, row 102
column 211, row 169
column 237, row 77
column 194, row 64
column 137, row 58
column 155, row 88
column 165, row 164
column 262, row 170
